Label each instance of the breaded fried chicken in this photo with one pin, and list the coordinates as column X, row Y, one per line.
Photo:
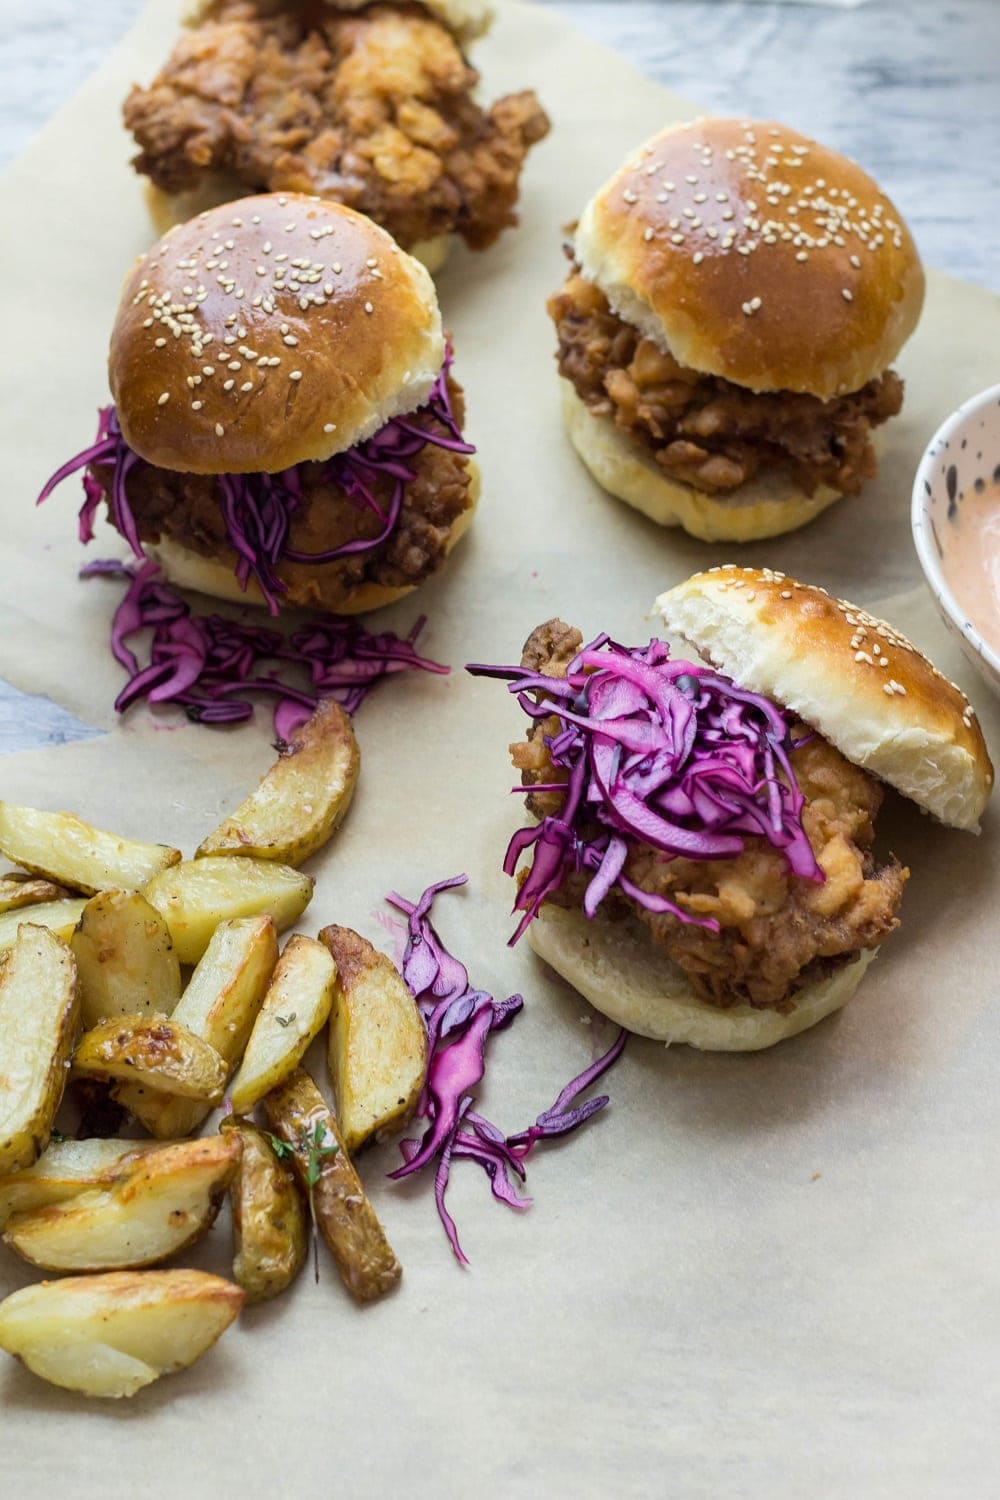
column 778, row 931
column 372, row 108
column 704, row 430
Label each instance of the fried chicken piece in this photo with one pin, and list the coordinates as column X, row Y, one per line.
column 778, row 931
column 370, row 108
column 706, row 431
column 188, row 509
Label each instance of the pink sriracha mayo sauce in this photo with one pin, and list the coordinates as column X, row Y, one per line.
column 971, row 557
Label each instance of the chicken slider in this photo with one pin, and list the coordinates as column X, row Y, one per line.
column 285, row 425
column 738, row 294
column 368, row 104
column 702, row 867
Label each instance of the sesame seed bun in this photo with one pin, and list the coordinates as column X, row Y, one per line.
column 753, row 253
column 169, row 209
column 468, row 19
column 617, row 967
column 323, row 587
column 276, row 330
column 853, row 678
column 764, row 507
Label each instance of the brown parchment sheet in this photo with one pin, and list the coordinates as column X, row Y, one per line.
column 752, row 1276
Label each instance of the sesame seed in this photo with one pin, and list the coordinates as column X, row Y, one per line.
column 647, row 235
column 196, row 406
column 369, row 308
column 220, row 431
column 227, row 385
column 290, row 340
column 295, row 375
column 697, row 258
column 847, row 294
column 329, row 426
column 164, row 398
column 247, row 385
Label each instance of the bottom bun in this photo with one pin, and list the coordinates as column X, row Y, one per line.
column 764, row 507
column 168, row 209
column 320, row 589
column 616, row 966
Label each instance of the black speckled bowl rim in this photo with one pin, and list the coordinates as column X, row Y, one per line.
column 936, row 482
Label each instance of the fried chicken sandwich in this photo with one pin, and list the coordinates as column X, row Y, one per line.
column 737, row 297
column 702, row 861
column 285, row 426
column 371, row 105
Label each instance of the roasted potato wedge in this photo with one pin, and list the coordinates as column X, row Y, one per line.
column 157, row 1051
column 194, row 897
column 295, row 1010
column 63, row 848
column 39, row 1009
column 111, row 1335
column 59, row 917
column 27, row 890
column 377, row 1051
column 162, row 1202
column 220, row 1005
column 124, row 958
column 65, row 1169
column 270, row 1236
column 298, row 1114
column 302, row 798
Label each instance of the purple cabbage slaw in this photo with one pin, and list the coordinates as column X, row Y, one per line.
column 258, row 508
column 459, row 1022
column 666, row 752
column 212, row 666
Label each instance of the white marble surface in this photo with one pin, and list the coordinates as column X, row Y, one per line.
column 909, row 87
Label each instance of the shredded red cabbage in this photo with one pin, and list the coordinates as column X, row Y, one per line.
column 459, row 1022
column 669, row 753
column 258, row 508
column 212, row 666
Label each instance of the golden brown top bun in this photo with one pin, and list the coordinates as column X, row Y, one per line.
column 754, row 253
column 857, row 681
column 269, row 332
column 468, row 19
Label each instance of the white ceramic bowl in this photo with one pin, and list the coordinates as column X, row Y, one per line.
column 966, row 449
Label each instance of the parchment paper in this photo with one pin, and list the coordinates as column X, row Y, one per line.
column 752, row 1276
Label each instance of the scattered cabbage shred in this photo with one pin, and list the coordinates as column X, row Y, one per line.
column 665, row 752
column 213, row 666
column 460, row 1021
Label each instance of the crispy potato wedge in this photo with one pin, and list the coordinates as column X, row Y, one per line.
column 377, row 1052
column 298, row 1114
column 18, row 890
column 124, row 958
column 220, row 1005
column 303, row 797
column 295, row 1011
column 65, row 1169
column 59, row 917
column 194, row 897
column 39, row 1008
column 111, row 1335
column 162, row 1202
column 270, row 1236
column 157, row 1051
column 63, row 848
